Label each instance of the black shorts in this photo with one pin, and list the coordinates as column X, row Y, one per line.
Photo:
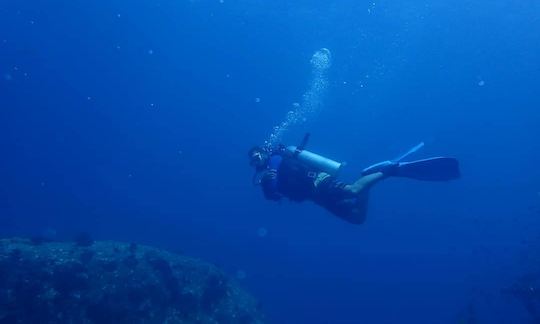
column 332, row 195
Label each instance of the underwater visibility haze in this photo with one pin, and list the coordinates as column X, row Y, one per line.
column 130, row 121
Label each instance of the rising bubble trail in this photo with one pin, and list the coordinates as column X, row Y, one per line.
column 311, row 100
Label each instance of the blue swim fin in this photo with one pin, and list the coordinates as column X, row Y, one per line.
column 432, row 169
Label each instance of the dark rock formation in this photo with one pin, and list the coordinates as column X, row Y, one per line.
column 527, row 290
column 110, row 282
column 526, row 287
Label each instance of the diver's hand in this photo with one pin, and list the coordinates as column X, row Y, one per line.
column 271, row 174
column 269, row 185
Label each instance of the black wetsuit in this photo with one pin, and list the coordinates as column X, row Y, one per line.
column 292, row 179
column 286, row 177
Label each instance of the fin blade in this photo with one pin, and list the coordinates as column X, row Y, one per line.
column 431, row 169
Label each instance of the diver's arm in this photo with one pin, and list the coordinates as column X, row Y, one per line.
column 269, row 185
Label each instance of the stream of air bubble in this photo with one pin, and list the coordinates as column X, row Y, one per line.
column 311, row 100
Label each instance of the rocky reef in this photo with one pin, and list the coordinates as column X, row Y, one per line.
column 527, row 290
column 111, row 282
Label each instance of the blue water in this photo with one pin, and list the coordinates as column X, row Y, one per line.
column 131, row 120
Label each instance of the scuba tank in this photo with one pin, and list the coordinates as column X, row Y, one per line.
column 313, row 160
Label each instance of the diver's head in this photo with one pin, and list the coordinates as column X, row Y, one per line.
column 258, row 157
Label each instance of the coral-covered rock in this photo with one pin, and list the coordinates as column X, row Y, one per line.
column 111, row 282
column 527, row 290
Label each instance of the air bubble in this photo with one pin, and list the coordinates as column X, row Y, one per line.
column 321, row 59
column 311, row 100
column 262, row 232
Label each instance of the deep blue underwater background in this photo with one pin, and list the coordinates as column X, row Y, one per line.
column 130, row 120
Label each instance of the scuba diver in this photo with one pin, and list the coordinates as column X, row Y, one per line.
column 299, row 175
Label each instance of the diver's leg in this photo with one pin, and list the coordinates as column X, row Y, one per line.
column 360, row 189
column 353, row 210
column 358, row 212
column 348, row 202
column 362, row 185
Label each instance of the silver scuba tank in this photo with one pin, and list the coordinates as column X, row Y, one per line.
column 315, row 161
